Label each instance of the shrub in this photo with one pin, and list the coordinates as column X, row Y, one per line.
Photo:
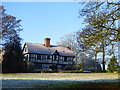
column 74, row 71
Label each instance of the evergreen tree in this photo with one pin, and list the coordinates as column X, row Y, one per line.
column 13, row 58
column 11, row 43
column 113, row 65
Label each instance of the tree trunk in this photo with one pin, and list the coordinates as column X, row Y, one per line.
column 95, row 57
column 113, row 53
column 95, row 60
column 119, row 42
column 103, row 59
column 82, row 66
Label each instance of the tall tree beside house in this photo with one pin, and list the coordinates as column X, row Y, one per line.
column 87, row 48
column 10, row 26
column 11, row 43
column 13, row 58
column 101, row 16
column 95, row 36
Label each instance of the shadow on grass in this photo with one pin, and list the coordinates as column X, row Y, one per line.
column 24, row 84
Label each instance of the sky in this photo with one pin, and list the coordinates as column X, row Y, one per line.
column 45, row 19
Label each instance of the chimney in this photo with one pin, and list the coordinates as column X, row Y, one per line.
column 47, row 42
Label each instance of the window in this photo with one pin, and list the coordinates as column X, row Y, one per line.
column 59, row 66
column 48, row 56
column 65, row 58
column 36, row 56
column 39, row 56
column 43, row 56
column 62, row 58
column 57, row 57
column 53, row 57
column 45, row 65
column 68, row 58
column 33, row 55
column 72, row 58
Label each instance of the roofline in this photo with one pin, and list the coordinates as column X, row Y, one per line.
column 46, row 53
column 23, row 47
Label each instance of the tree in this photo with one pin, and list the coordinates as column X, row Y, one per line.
column 69, row 40
column 11, row 43
column 78, row 46
column 113, row 65
column 100, row 18
column 90, row 65
column 92, row 8
column 13, row 58
column 10, row 26
column 88, row 42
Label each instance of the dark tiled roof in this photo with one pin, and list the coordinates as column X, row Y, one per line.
column 41, row 49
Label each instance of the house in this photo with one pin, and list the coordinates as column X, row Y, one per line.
column 46, row 57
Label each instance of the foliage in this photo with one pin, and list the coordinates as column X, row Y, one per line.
column 11, row 43
column 12, row 58
column 30, row 66
column 71, row 67
column 81, row 50
column 10, row 27
column 68, row 40
column 113, row 65
column 100, row 30
column 72, row 71
column 91, row 65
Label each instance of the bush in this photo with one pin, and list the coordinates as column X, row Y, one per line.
column 48, row 71
column 74, row 71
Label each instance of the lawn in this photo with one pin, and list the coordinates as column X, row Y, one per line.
column 60, row 80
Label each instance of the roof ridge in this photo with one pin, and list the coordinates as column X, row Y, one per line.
column 43, row 44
